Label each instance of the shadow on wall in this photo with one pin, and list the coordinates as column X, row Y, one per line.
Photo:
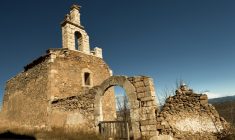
column 12, row 136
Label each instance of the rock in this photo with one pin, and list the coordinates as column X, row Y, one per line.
column 204, row 97
column 160, row 119
column 166, row 108
column 188, row 92
column 204, row 102
column 178, row 136
column 162, row 137
column 159, row 127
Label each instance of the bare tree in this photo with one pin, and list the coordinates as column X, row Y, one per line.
column 170, row 91
column 123, row 112
column 166, row 92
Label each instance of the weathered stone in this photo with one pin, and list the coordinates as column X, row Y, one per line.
column 151, row 98
column 166, row 108
column 160, row 119
column 204, row 97
column 162, row 137
column 159, row 127
column 148, row 81
column 139, row 84
column 204, row 102
column 178, row 136
column 144, row 122
column 143, row 128
column 140, row 89
column 141, row 95
column 188, row 92
column 151, row 127
column 138, row 78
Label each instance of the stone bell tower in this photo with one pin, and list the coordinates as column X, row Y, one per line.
column 74, row 36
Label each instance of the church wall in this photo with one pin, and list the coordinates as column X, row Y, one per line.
column 67, row 77
column 25, row 99
column 59, row 74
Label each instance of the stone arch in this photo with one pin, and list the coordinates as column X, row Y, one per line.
column 130, row 90
column 141, row 97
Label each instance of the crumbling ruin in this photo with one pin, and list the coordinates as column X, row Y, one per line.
column 188, row 115
column 71, row 88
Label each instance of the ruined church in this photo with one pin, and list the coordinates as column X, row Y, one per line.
column 72, row 88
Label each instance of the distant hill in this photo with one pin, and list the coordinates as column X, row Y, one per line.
column 222, row 99
column 226, row 107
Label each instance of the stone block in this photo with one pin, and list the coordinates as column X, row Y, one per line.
column 141, row 95
column 152, row 121
column 140, row 89
column 159, row 119
column 143, row 128
column 135, row 114
column 144, row 122
column 148, row 122
column 148, row 82
column 162, row 137
column 147, row 103
column 151, row 115
column 151, row 127
column 204, row 102
column 138, row 78
column 204, row 97
column 135, row 104
column 145, row 133
column 131, row 79
column 150, row 91
column 150, row 98
column 153, row 133
column 139, row 84
column 159, row 127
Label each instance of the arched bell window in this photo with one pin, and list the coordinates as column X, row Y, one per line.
column 78, row 40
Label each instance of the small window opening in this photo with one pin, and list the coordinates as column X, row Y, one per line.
column 87, row 79
column 77, row 37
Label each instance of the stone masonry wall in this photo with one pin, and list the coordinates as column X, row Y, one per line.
column 74, row 112
column 66, row 77
column 56, row 75
column 25, row 98
column 148, row 104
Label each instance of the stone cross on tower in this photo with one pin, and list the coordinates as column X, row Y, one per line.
column 74, row 37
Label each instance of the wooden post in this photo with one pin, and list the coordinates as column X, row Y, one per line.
column 127, row 129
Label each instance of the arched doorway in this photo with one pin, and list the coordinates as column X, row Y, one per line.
column 130, row 91
column 142, row 103
column 122, row 105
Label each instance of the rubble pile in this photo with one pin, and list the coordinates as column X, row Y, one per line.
column 188, row 114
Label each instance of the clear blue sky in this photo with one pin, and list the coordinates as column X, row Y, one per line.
column 193, row 40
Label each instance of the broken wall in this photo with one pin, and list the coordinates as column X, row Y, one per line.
column 188, row 115
column 75, row 112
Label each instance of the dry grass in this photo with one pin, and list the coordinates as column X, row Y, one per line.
column 50, row 134
column 61, row 134
column 58, row 134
